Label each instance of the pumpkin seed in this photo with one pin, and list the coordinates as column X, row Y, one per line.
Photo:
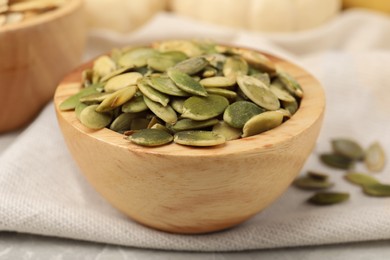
column 135, row 105
column 151, row 137
column 258, row 92
column 139, row 124
column 72, row 101
column 284, row 112
column 222, row 92
column 79, row 108
column 230, row 133
column 93, row 119
column 189, row 124
column 103, row 65
column 238, row 113
column 164, row 61
column 152, row 122
column 291, row 84
column 347, row 148
column 186, row 83
column 122, row 81
column 209, row 72
column 153, row 94
column 192, row 65
column 281, row 93
column 160, row 127
column 309, row 183
column 262, row 122
column 217, row 82
column 203, row 108
column 86, row 77
column 137, row 57
column 375, row 158
column 336, row 161
column 190, row 48
column 317, row 175
column 115, row 73
column 166, row 113
column 198, row 138
column 328, row 198
column 263, row 77
column 123, row 122
column 360, row 179
column 235, row 66
column 167, row 86
column 94, row 98
column 291, row 107
column 117, row 99
column 377, row 190
column 177, row 104
column 258, row 61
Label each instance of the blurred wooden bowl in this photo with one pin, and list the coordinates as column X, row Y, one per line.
column 194, row 190
column 34, row 56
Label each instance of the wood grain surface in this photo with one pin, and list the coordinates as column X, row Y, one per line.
column 195, row 190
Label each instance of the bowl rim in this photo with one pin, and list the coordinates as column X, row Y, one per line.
column 64, row 10
column 311, row 110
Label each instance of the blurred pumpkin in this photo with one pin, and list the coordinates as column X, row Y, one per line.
column 260, row 15
column 379, row 5
column 121, row 15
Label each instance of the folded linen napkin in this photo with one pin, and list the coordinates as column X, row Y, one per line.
column 43, row 192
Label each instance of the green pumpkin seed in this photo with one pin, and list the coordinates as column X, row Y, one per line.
column 139, row 124
column 284, row 112
column 151, row 137
column 291, row 84
column 117, row 99
column 235, row 66
column 281, row 93
column 262, row 122
column 177, row 104
column 216, row 60
column 191, row 66
column 190, row 48
column 229, row 94
column 71, row 102
column 336, row 161
column 137, row 57
column 94, row 120
column 377, row 190
column 203, row 108
column 122, row 81
column 186, row 83
column 94, row 98
column 309, row 183
column 188, row 124
column 79, row 108
column 86, row 77
column 291, row 107
column 238, row 113
column 317, row 175
column 360, row 179
column 115, row 73
column 199, row 138
column 217, row 82
column 153, row 94
column 258, row 61
column 209, row 72
column 347, row 148
column 164, row 61
column 123, row 122
column 103, row 65
column 230, row 133
column 135, row 105
column 328, row 198
column 258, row 92
column 152, row 122
column 160, row 127
column 263, row 77
column 375, row 158
column 167, row 86
column 166, row 113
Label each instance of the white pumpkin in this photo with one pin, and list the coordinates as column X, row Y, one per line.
column 260, row 15
column 121, row 15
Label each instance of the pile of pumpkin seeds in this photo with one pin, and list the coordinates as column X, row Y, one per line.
column 345, row 155
column 15, row 11
column 194, row 93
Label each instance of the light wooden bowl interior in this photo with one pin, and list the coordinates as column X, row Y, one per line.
column 34, row 56
column 195, row 190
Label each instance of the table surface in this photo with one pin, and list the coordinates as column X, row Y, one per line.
column 25, row 246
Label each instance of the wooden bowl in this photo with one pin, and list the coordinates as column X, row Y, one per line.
column 34, row 56
column 195, row 190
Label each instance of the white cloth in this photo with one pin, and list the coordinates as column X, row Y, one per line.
column 43, row 192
